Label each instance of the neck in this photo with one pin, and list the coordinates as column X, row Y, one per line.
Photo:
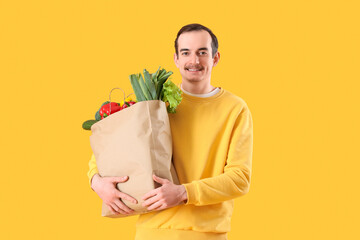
column 197, row 87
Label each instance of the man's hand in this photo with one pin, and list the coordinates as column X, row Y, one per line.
column 105, row 187
column 166, row 196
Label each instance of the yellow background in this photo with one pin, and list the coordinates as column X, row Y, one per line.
column 296, row 64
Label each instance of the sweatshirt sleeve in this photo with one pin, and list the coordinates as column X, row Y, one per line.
column 92, row 168
column 235, row 181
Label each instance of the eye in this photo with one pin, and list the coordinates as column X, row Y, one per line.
column 184, row 53
column 203, row 53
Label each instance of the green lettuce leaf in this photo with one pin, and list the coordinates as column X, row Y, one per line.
column 171, row 94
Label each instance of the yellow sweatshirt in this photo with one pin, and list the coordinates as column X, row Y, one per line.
column 212, row 155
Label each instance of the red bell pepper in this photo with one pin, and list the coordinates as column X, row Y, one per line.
column 105, row 110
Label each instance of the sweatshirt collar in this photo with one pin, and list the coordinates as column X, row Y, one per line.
column 213, row 95
column 202, row 95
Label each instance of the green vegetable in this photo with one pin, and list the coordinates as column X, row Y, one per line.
column 97, row 116
column 137, row 89
column 153, row 88
column 162, row 73
column 154, row 77
column 150, row 85
column 171, row 94
column 162, row 80
column 144, row 88
column 87, row 124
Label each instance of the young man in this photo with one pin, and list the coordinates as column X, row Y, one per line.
column 213, row 141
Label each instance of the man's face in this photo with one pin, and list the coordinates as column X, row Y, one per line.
column 195, row 60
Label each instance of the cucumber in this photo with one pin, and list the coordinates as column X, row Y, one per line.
column 87, row 124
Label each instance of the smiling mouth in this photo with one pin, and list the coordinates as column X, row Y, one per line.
column 193, row 69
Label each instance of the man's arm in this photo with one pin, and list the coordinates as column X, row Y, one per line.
column 92, row 169
column 166, row 196
column 235, row 181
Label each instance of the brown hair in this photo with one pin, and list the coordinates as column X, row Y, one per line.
column 197, row 27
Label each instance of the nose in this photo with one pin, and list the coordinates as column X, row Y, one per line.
column 195, row 59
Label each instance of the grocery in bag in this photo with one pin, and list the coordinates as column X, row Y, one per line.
column 136, row 140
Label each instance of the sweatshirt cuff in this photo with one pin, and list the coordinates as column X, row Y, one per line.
column 190, row 193
column 91, row 173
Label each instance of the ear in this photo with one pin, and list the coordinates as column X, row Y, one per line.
column 176, row 60
column 216, row 58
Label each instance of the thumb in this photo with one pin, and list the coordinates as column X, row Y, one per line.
column 119, row 179
column 160, row 180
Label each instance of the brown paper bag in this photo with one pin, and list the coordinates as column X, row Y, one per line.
column 134, row 142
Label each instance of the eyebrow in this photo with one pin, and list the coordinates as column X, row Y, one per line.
column 186, row 49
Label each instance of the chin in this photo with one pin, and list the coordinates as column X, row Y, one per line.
column 193, row 80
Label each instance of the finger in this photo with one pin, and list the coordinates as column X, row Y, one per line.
column 150, row 194
column 119, row 179
column 155, row 206
column 151, row 200
column 126, row 197
column 123, row 206
column 160, row 180
column 112, row 209
column 117, row 209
